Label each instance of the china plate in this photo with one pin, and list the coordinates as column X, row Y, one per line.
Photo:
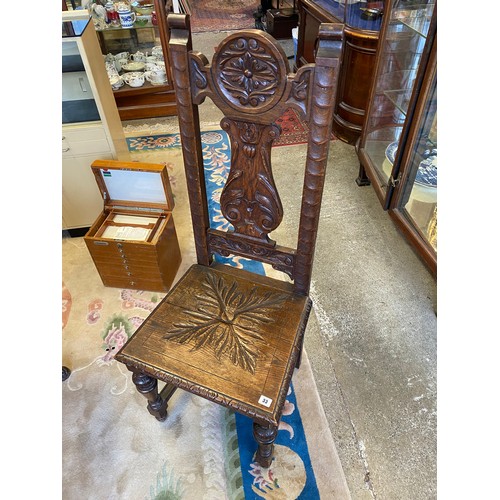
column 390, row 151
column 427, row 172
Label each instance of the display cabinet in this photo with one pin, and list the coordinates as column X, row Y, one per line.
column 362, row 21
column 91, row 126
column 398, row 147
column 148, row 34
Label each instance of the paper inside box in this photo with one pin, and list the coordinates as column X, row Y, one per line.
column 139, row 229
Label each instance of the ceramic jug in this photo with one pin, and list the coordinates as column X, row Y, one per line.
column 127, row 17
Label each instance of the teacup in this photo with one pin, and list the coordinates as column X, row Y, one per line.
column 121, row 62
column 151, row 59
column 116, row 82
column 122, row 55
column 157, row 51
column 134, row 79
column 157, row 77
column 161, row 65
column 111, row 68
column 151, row 66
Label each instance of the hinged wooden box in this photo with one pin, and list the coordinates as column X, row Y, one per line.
column 133, row 242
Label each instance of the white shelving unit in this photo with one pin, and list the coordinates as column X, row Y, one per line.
column 85, row 141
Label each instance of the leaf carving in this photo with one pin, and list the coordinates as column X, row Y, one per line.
column 227, row 320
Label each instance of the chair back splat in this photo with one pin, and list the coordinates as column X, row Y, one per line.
column 225, row 334
column 250, row 82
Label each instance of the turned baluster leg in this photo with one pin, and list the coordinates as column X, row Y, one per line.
column 148, row 387
column 265, row 436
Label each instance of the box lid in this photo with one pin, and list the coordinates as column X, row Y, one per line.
column 133, row 184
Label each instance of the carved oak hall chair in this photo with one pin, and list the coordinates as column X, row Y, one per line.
column 223, row 333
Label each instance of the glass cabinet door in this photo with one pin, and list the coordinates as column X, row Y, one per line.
column 402, row 48
column 144, row 38
column 415, row 199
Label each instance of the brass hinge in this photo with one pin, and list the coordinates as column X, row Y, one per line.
column 394, row 182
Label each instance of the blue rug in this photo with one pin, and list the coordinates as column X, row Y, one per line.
column 291, row 438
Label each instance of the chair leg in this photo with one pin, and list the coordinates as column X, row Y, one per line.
column 148, row 387
column 265, row 437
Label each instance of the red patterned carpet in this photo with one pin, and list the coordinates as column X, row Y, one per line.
column 222, row 15
column 293, row 129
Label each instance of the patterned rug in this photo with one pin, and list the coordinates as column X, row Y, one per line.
column 221, row 15
column 293, row 131
column 112, row 447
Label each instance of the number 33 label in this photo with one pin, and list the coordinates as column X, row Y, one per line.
column 265, row 401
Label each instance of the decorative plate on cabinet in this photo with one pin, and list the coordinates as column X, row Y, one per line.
column 390, row 151
column 427, row 171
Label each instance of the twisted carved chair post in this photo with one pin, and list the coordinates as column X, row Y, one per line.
column 223, row 333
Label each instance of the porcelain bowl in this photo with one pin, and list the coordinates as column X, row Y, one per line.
column 144, row 10
column 133, row 66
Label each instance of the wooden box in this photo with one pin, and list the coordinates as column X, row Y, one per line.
column 280, row 22
column 133, row 242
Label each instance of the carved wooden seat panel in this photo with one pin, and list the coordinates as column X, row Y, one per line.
column 228, row 331
column 223, row 333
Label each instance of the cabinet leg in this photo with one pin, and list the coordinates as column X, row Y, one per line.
column 362, row 179
column 265, row 437
column 148, row 387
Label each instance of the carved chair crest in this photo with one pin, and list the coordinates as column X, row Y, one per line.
column 251, row 83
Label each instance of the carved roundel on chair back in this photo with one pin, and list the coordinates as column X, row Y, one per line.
column 250, row 72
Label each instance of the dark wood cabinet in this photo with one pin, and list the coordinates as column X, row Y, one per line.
column 398, row 146
column 358, row 59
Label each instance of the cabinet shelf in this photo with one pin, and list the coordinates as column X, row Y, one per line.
column 147, row 88
column 400, row 98
column 418, row 20
column 121, row 28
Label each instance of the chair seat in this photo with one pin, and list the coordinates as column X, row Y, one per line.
column 227, row 335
